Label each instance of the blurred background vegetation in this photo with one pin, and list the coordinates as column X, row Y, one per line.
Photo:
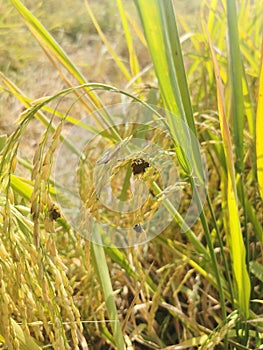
column 24, row 62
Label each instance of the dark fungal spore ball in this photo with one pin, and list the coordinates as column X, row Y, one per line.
column 54, row 212
column 139, row 165
column 138, row 228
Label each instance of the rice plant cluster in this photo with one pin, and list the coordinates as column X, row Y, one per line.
column 170, row 101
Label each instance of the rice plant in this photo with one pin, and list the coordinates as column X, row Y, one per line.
column 132, row 218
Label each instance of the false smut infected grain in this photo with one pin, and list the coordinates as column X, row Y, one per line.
column 139, row 165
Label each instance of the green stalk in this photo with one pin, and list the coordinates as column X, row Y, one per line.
column 211, row 251
column 236, row 73
column 105, row 280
